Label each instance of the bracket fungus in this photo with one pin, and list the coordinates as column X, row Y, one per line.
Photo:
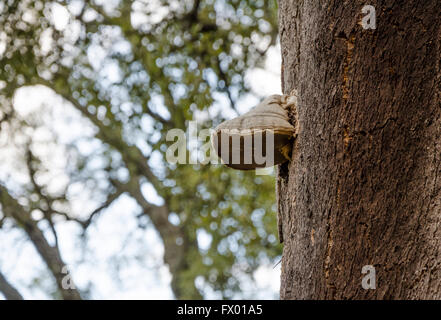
column 260, row 138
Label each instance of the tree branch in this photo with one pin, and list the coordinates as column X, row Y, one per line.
column 110, row 199
column 50, row 255
column 224, row 77
column 135, row 161
column 30, row 159
column 8, row 290
column 176, row 242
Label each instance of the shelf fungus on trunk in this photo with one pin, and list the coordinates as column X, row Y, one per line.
column 262, row 137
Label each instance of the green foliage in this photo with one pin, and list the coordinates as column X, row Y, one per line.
column 167, row 71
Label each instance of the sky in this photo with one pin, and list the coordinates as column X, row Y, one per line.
column 115, row 239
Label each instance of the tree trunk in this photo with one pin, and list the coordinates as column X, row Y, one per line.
column 364, row 185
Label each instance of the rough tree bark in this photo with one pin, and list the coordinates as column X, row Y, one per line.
column 364, row 186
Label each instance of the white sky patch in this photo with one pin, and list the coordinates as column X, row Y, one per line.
column 3, row 38
column 174, row 219
column 266, row 81
column 60, row 16
column 219, row 105
column 156, row 11
column 75, row 6
column 96, row 55
column 112, row 72
column 157, row 105
column 150, row 193
column 204, row 239
column 46, row 41
column 268, row 281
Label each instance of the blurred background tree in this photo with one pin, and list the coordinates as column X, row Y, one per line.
column 126, row 72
